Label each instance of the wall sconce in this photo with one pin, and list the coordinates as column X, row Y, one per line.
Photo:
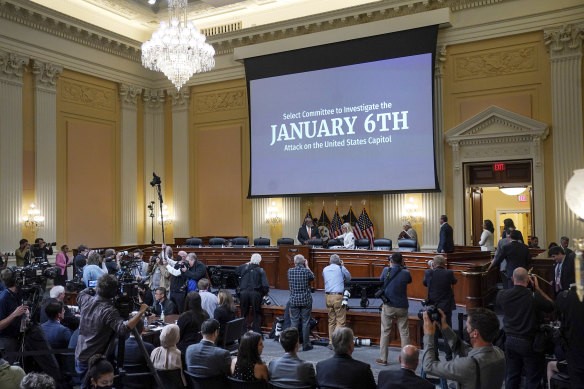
column 33, row 218
column 273, row 214
column 411, row 211
column 166, row 215
column 575, row 201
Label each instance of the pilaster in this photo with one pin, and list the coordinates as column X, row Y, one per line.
column 260, row 227
column 393, row 206
column 565, row 49
column 291, row 217
column 180, row 160
column 153, row 152
column 129, row 163
column 11, row 70
column 434, row 204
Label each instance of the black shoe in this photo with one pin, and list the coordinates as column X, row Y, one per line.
column 307, row 347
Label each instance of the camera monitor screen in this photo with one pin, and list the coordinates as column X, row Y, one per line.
column 92, row 283
column 358, row 122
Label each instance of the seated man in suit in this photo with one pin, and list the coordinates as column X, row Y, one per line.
column 57, row 293
column 204, row 358
column 162, row 304
column 133, row 354
column 290, row 370
column 342, row 371
column 405, row 377
column 57, row 334
column 307, row 231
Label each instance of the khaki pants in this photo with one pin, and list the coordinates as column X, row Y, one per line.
column 337, row 314
column 387, row 314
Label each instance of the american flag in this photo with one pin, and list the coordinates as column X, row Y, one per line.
column 324, row 220
column 336, row 224
column 350, row 217
column 364, row 227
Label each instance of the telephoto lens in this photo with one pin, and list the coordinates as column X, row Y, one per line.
column 362, row 342
column 346, row 296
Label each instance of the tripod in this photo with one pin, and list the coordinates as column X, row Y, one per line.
column 120, row 359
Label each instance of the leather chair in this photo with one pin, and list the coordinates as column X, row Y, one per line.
column 275, row 385
column 217, row 242
column 362, row 244
column 382, row 244
column 240, row 242
column 171, row 379
column 234, row 383
column 315, row 243
column 407, row 245
column 138, row 376
column 261, row 242
column 194, row 242
column 285, row 242
column 200, row 382
column 333, row 243
column 233, row 330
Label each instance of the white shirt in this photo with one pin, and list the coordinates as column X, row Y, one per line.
column 487, row 241
column 348, row 240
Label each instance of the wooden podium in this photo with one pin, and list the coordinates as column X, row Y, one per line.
column 286, row 261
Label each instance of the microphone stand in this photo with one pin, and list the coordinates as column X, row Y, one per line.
column 159, row 191
column 151, row 208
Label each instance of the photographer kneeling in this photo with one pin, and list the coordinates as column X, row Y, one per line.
column 100, row 321
column 481, row 366
column 11, row 314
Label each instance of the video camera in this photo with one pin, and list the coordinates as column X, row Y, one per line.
column 126, row 299
column 223, row 277
column 432, row 310
column 74, row 285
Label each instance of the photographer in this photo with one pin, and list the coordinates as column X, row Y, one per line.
column 112, row 261
column 40, row 249
column 299, row 279
column 22, row 253
column 335, row 275
column 158, row 275
column 439, row 281
column 480, row 366
column 253, row 285
column 395, row 303
column 100, row 321
column 522, row 310
column 178, row 283
column 139, row 268
column 12, row 312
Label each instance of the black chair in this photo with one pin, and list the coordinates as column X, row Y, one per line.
column 407, row 245
column 233, row 331
column 194, row 242
column 316, row 243
column 234, row 383
column 382, row 244
column 138, row 376
column 261, row 242
column 362, row 244
column 335, row 243
column 285, row 242
column 171, row 379
column 217, row 242
column 200, row 382
column 275, row 385
column 240, row 242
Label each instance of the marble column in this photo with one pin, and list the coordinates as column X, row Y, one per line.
column 565, row 48
column 434, row 204
column 11, row 70
column 153, row 155
column 291, row 217
column 129, row 163
column 260, row 227
column 45, row 118
column 180, row 161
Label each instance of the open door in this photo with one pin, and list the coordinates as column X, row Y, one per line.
column 476, row 206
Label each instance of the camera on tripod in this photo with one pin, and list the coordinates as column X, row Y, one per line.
column 74, row 285
column 432, row 310
column 35, row 273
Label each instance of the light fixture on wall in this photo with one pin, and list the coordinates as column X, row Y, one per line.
column 166, row 216
column 33, row 218
column 513, row 191
column 273, row 214
column 411, row 211
column 574, row 195
column 177, row 48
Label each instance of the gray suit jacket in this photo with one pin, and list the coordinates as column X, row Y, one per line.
column 292, row 371
column 462, row 369
column 207, row 360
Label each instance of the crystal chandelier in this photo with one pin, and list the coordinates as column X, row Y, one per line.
column 178, row 49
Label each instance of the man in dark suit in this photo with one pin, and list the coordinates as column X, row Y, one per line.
column 564, row 271
column 516, row 254
column 289, row 370
column 307, row 231
column 57, row 334
column 341, row 370
column 564, row 242
column 446, row 244
column 439, row 281
column 163, row 304
column 405, row 377
column 204, row 358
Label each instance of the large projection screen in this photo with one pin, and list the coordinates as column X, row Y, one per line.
column 352, row 123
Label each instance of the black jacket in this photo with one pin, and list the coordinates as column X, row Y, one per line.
column 516, row 254
column 303, row 234
column 402, row 379
column 439, row 282
column 342, row 371
column 446, row 239
column 252, row 278
column 568, row 272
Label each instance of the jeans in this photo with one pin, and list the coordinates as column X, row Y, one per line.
column 81, row 368
column 302, row 313
column 519, row 354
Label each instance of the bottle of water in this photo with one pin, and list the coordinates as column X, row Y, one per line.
column 162, row 314
column 145, row 323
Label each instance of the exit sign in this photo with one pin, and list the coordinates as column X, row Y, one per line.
column 522, row 198
column 499, row 167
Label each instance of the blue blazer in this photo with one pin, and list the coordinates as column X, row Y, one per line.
column 396, row 290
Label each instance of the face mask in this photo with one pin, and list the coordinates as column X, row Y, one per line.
column 105, row 387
